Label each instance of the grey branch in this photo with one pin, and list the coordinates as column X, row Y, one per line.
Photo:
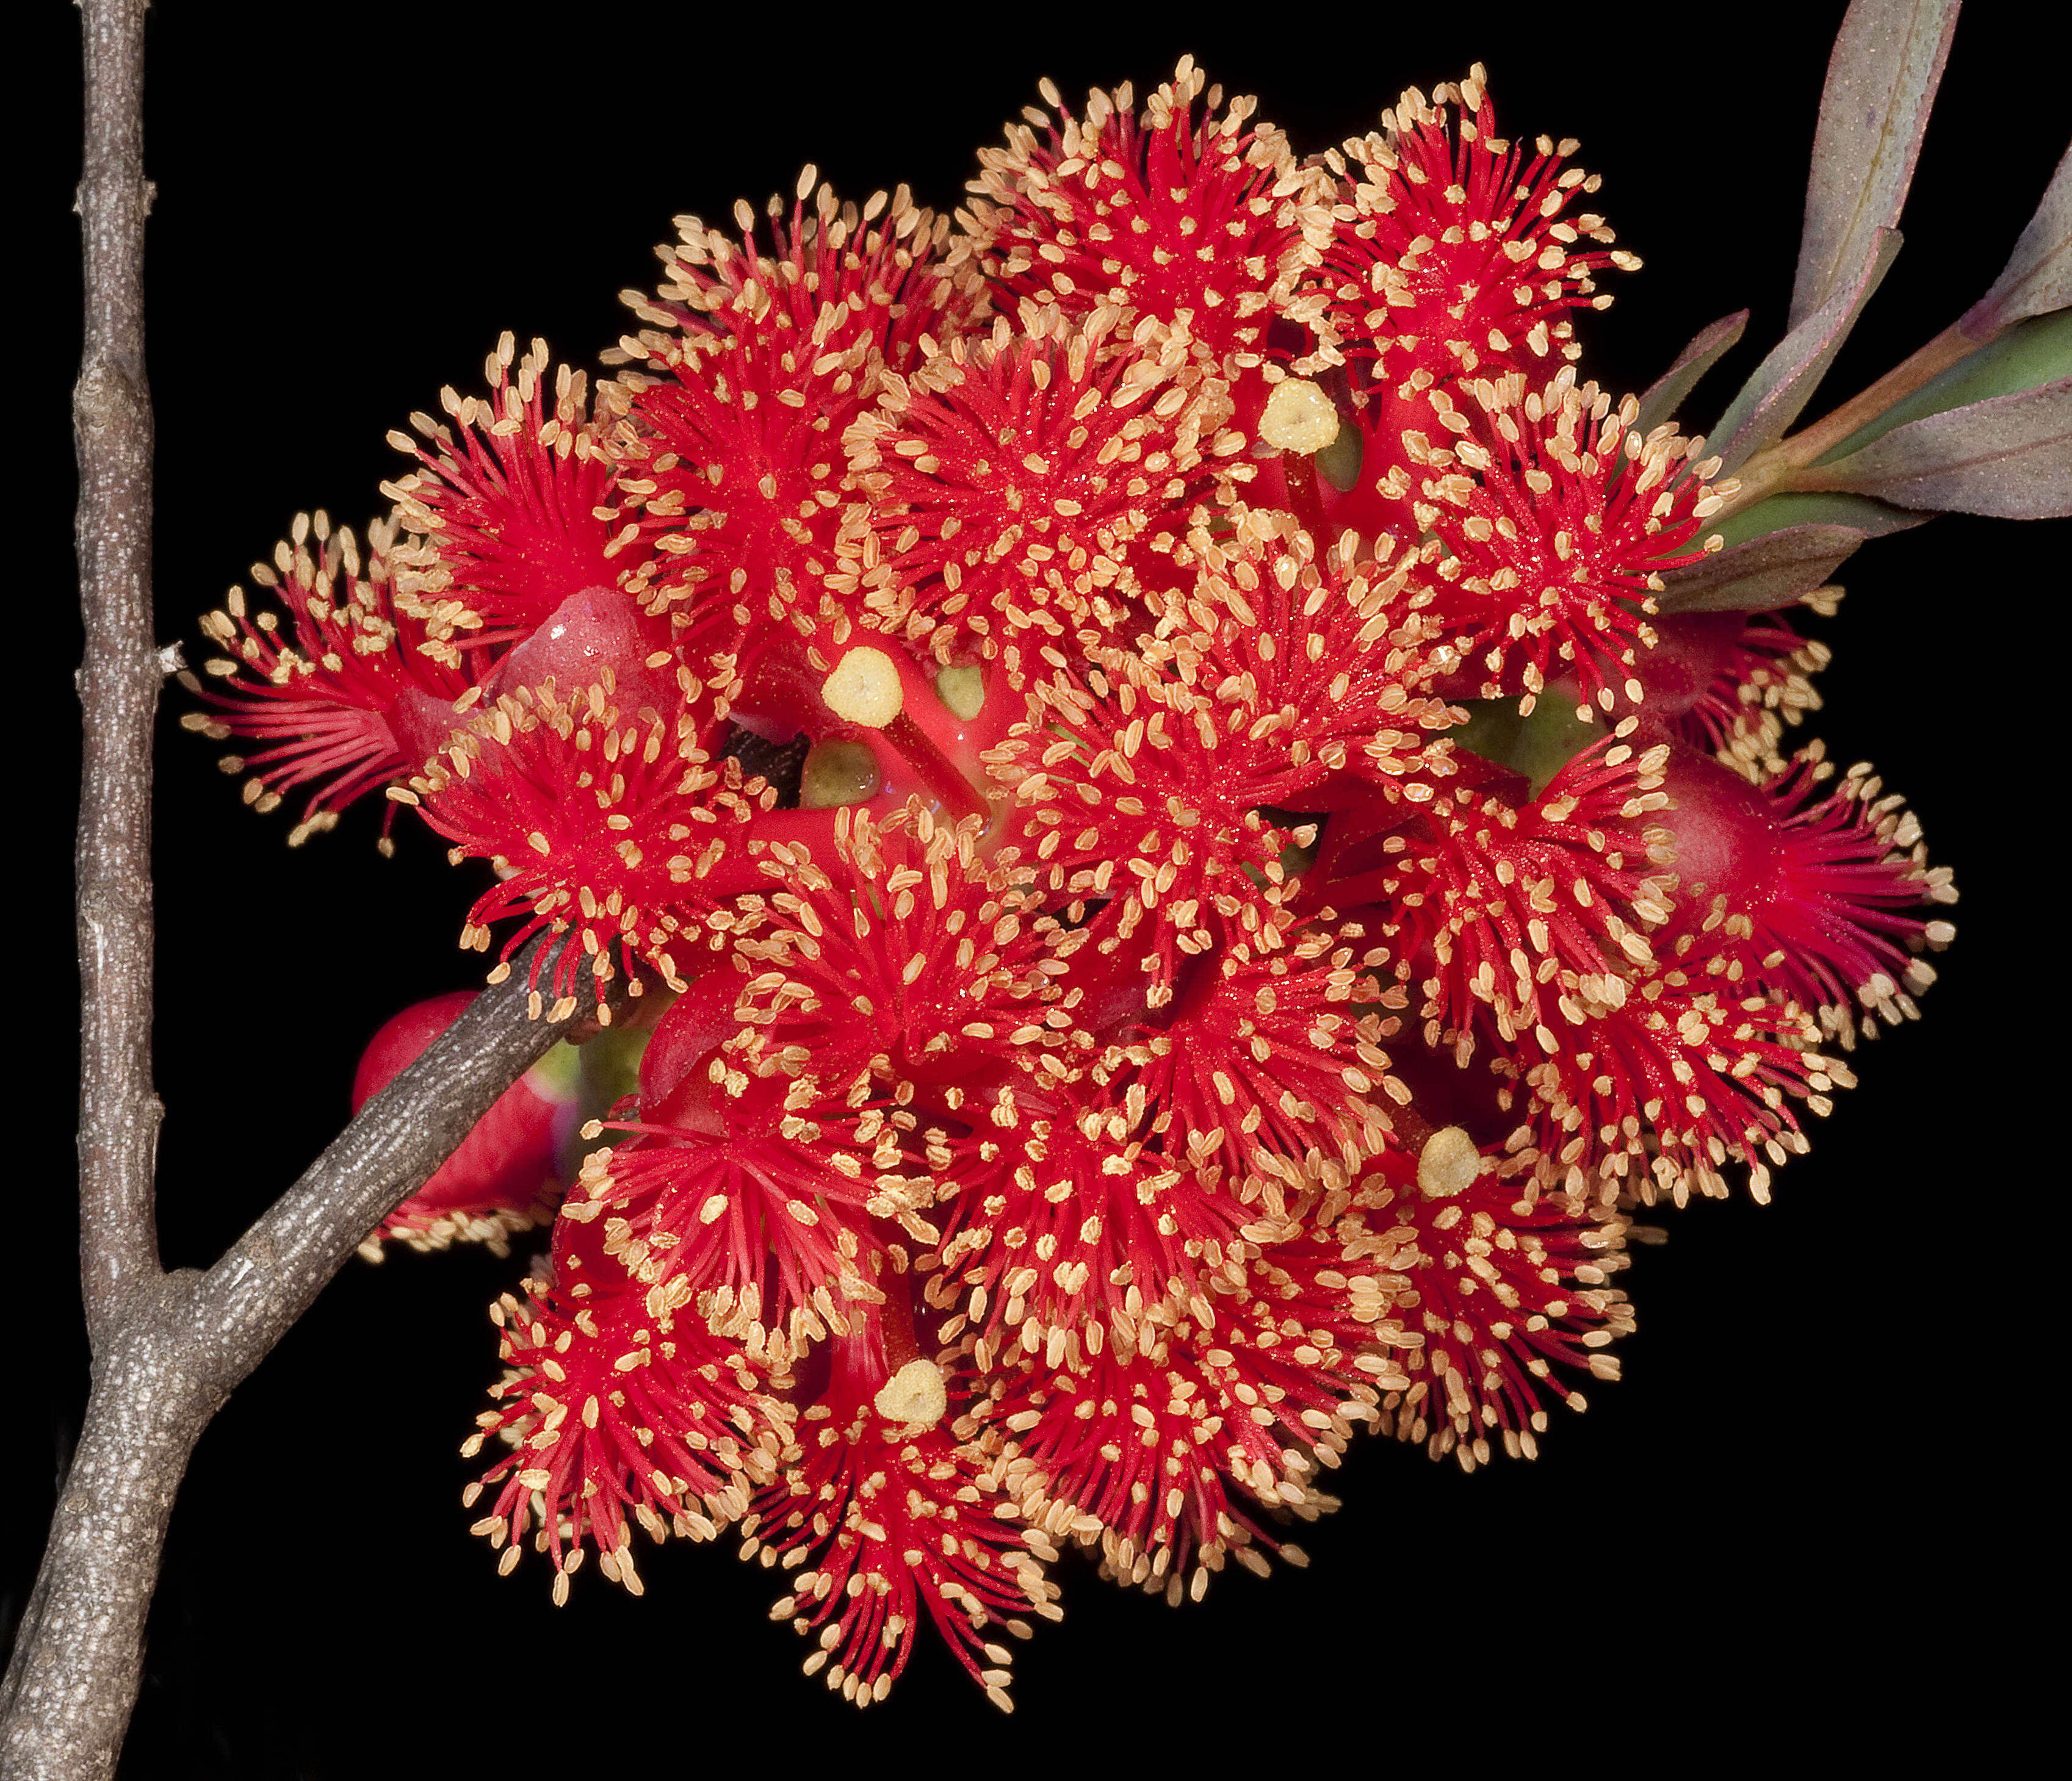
column 118, row 682
column 182, row 1343
column 168, row 1349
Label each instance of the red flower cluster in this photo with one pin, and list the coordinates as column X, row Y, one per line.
column 1197, row 892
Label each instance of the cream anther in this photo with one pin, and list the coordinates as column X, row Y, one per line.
column 915, row 1395
column 1299, row 418
column 864, row 689
column 1447, row 1164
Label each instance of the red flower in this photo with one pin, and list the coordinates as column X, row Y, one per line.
column 754, row 366
column 894, row 1517
column 610, row 1408
column 1554, row 539
column 1509, row 1296
column 1011, row 475
column 765, row 1230
column 1144, row 1021
column 505, row 513
column 1174, row 1450
column 1289, row 673
column 1731, row 683
column 905, row 963
column 1182, row 216
column 1070, row 1237
column 1649, row 1098
column 1264, row 1071
column 602, row 821
column 1452, row 256
column 1820, row 899
column 352, row 695
column 1513, row 920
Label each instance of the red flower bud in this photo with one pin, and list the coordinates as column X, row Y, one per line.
column 1822, row 901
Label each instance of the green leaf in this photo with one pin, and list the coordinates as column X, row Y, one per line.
column 607, row 1067
column 1881, row 80
column 1537, row 745
column 2029, row 353
column 610, row 1066
column 1872, row 519
column 554, row 1076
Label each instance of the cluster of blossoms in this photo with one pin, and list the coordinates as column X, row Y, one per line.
column 1190, row 890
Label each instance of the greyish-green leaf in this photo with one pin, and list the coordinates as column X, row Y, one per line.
column 2038, row 277
column 1881, row 81
column 2009, row 457
column 1763, row 573
column 1784, row 381
column 1665, row 396
column 2028, row 355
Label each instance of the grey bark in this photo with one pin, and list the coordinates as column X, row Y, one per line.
column 180, row 1345
column 118, row 679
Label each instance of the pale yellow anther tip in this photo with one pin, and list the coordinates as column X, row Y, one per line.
column 1299, row 418
column 962, row 691
column 1447, row 1164
column 864, row 688
column 914, row 1395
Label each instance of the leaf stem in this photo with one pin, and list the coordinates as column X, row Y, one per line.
column 1776, row 471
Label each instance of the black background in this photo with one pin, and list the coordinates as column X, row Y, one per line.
column 1794, row 1515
